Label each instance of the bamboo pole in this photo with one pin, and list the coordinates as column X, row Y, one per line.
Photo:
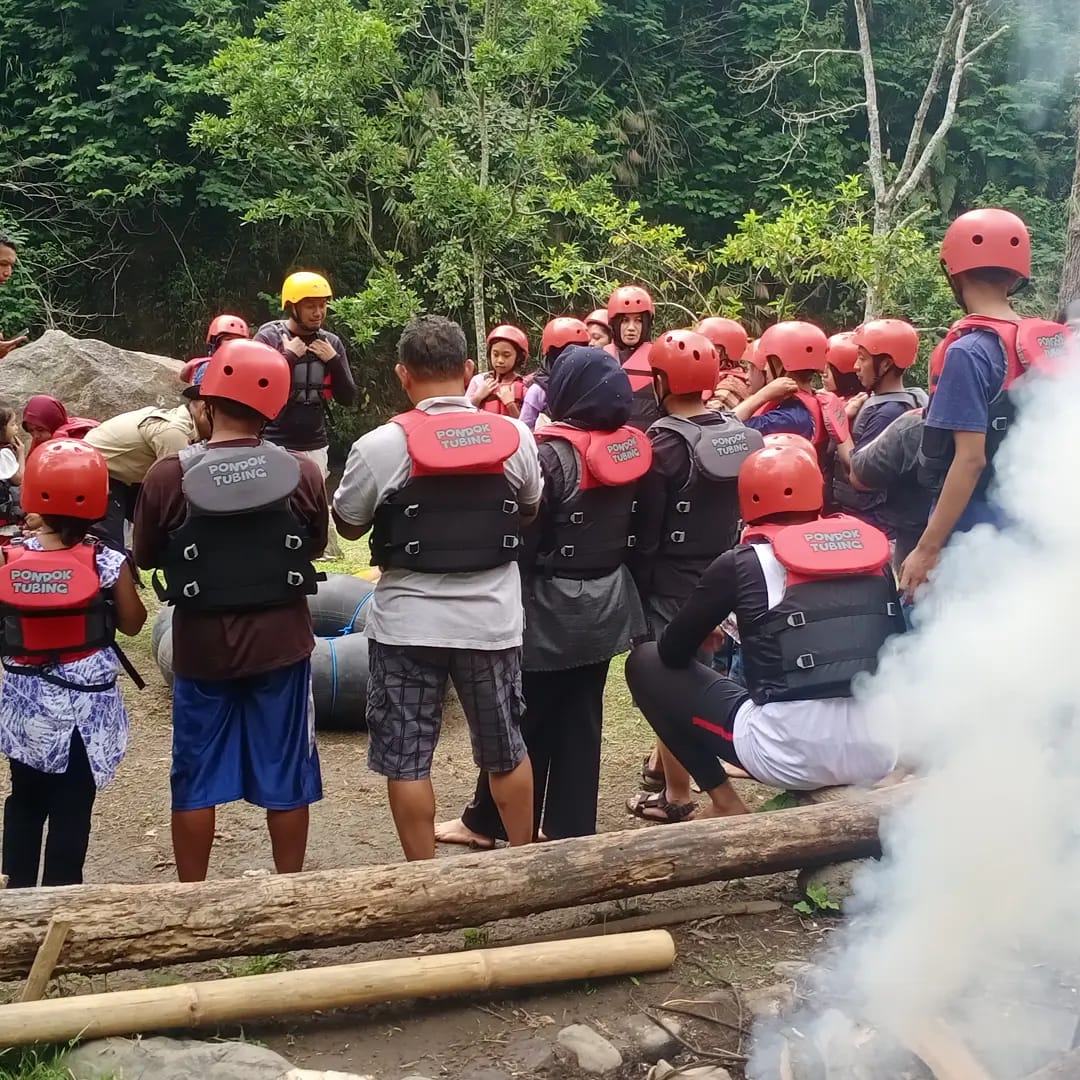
column 115, row 927
column 95, row 1016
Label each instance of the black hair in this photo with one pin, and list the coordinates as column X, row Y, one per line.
column 433, row 347
column 71, row 530
column 7, row 241
column 235, row 410
column 646, row 327
column 521, row 357
column 789, row 517
column 7, row 414
column 847, row 382
column 993, row 275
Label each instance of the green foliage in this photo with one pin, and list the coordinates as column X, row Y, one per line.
column 817, row 902
column 34, row 1064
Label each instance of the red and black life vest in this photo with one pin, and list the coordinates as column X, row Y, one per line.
column 493, row 404
column 813, row 407
column 1029, row 345
column 644, row 410
column 458, row 511
column 53, row 610
column 838, row 609
column 590, row 532
column 701, row 518
column 241, row 546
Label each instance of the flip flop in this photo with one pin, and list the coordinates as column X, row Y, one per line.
column 656, row 800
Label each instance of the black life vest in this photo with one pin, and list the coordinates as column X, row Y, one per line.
column 701, row 519
column 458, row 511
column 1029, row 344
column 311, row 380
column 241, row 546
column 590, row 531
column 53, row 610
column 839, row 607
column 644, row 411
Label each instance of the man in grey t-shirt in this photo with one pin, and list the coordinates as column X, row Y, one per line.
column 456, row 612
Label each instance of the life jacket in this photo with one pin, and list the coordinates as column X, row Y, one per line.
column 241, row 546
column 53, row 610
column 591, row 532
column 312, row 383
column 1029, row 344
column 839, row 607
column 457, row 511
column 493, row 404
column 75, row 428
column 809, row 399
column 644, row 410
column 699, row 521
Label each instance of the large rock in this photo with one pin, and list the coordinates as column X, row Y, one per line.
column 92, row 378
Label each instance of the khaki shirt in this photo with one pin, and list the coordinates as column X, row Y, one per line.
column 133, row 441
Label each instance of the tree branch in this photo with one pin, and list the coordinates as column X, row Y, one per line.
column 873, row 115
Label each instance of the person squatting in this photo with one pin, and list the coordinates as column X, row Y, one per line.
column 690, row 497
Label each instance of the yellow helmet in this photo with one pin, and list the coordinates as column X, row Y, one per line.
column 302, row 285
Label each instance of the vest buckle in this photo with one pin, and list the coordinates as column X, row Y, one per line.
column 412, row 547
column 577, row 518
column 293, row 543
column 999, row 423
column 633, row 507
column 567, row 551
column 677, row 537
column 890, row 609
column 191, row 552
column 412, row 511
column 682, row 507
column 805, row 662
column 796, row 619
column 294, row 578
column 509, row 506
column 191, row 589
column 631, row 541
column 511, row 542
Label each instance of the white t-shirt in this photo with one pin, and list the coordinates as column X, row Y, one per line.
column 477, row 610
column 803, row 745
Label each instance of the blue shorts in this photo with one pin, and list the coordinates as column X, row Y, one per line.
column 250, row 739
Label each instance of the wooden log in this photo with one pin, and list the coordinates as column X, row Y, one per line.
column 94, row 1016
column 45, row 961
column 136, row 926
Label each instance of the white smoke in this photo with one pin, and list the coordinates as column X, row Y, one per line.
column 973, row 915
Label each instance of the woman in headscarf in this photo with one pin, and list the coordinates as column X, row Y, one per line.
column 42, row 416
column 581, row 606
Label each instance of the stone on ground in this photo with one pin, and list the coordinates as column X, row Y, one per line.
column 530, row 1055
column 91, row 378
column 769, row 1001
column 662, row 1070
column 185, row 1059
column 593, row 1052
column 652, row 1041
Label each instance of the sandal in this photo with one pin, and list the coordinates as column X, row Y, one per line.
column 666, row 813
column 651, row 779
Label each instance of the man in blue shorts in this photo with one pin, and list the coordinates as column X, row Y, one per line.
column 233, row 523
column 987, row 257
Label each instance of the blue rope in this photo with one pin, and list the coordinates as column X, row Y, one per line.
column 350, row 626
column 333, row 675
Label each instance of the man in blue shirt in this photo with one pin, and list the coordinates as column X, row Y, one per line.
column 987, row 256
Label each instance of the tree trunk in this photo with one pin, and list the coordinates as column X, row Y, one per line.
column 1070, row 272
column 882, row 224
column 138, row 926
column 479, row 319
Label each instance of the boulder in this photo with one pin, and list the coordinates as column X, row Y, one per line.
column 92, row 378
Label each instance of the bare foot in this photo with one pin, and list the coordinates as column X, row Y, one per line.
column 457, row 832
column 724, row 802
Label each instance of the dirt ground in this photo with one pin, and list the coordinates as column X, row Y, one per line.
column 352, row 827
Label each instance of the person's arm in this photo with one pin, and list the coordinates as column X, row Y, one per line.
column 151, row 532
column 127, row 604
column 648, row 522
column 342, row 383
column 357, row 496
column 530, row 479
column 774, row 391
column 712, row 601
column 311, row 505
column 969, row 460
column 533, row 405
column 165, row 438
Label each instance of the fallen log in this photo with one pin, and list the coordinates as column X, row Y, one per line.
column 255, row 997
column 137, row 926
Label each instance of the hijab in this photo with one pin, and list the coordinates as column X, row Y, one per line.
column 588, row 388
column 44, row 411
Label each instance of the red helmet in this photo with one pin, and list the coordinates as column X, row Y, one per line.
column 725, row 334
column 226, row 324
column 628, row 300
column 981, row 239
column 799, row 346
column 68, row 478
column 249, row 373
column 688, row 359
column 513, row 334
column 787, row 440
column 753, row 355
column 779, row 481
column 843, row 352
column 563, row 331
column 600, row 317
column 894, row 338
